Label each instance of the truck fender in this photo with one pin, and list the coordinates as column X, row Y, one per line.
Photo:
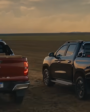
column 78, row 72
column 45, row 66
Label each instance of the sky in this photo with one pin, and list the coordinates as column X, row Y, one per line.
column 44, row 16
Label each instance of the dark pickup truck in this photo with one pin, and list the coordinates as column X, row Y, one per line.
column 69, row 65
column 13, row 73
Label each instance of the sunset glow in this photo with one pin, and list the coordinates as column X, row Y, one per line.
column 44, row 16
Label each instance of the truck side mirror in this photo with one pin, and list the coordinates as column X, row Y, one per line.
column 80, row 54
column 58, row 56
column 51, row 54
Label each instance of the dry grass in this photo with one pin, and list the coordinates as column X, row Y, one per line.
column 40, row 98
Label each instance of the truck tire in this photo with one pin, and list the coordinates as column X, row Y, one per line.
column 46, row 78
column 80, row 88
column 16, row 99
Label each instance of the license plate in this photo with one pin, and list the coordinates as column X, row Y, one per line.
column 1, row 85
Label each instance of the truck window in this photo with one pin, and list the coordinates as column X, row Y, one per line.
column 8, row 51
column 61, row 51
column 87, row 49
column 70, row 50
column 5, row 49
column 1, row 48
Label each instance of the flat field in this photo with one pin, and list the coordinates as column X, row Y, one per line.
column 40, row 98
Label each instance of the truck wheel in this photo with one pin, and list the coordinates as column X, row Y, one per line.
column 46, row 78
column 15, row 98
column 81, row 88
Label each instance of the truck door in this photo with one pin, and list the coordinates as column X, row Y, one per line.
column 66, row 63
column 57, row 70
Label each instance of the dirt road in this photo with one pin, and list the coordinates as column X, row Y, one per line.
column 40, row 98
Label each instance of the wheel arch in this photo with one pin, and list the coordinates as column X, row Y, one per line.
column 45, row 66
column 78, row 73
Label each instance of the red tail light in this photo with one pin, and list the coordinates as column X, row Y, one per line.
column 25, row 68
column 26, row 64
column 88, row 55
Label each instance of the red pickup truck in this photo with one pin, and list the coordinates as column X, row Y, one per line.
column 13, row 73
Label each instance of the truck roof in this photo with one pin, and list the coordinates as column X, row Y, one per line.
column 74, row 41
column 2, row 41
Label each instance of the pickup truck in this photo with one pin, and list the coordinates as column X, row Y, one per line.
column 69, row 65
column 13, row 73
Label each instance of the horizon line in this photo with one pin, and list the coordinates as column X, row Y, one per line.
column 41, row 33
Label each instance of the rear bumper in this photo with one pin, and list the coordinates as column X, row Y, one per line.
column 21, row 86
column 11, row 86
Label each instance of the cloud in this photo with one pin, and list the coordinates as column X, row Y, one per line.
column 35, row 0
column 26, row 16
column 30, row 1
column 86, row 2
column 55, row 23
column 4, row 3
column 23, row 8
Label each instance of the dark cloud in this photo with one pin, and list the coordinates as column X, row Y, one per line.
column 49, row 7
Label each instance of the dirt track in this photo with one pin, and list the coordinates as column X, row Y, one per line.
column 40, row 98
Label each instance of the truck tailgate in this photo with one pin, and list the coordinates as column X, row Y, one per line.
column 13, row 68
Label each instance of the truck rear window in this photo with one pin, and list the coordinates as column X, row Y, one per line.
column 1, row 49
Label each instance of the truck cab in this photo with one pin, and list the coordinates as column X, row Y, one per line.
column 5, row 49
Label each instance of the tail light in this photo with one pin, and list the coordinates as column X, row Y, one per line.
column 25, row 68
column 88, row 55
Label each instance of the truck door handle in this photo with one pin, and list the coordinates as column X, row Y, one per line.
column 58, row 61
column 69, row 61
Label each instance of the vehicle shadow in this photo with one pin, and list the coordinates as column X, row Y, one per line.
column 6, row 103
column 62, row 90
